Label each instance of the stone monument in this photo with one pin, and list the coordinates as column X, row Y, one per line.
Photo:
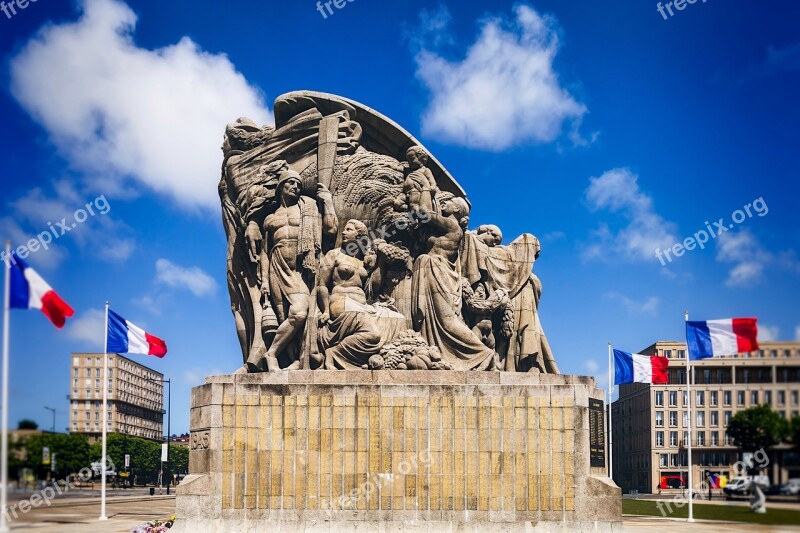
column 395, row 373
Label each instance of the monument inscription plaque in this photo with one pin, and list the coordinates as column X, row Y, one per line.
column 597, row 433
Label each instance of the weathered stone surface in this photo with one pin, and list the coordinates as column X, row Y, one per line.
column 345, row 235
column 361, row 451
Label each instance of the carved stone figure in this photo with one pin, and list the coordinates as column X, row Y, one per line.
column 436, row 291
column 347, row 248
column 349, row 336
column 290, row 260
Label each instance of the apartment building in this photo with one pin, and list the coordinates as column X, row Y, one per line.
column 135, row 397
column 650, row 423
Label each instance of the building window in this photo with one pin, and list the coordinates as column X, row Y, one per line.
column 685, row 398
column 787, row 353
column 707, row 376
column 686, row 438
column 673, row 419
column 673, row 459
column 681, row 354
column 660, row 439
column 773, row 353
column 660, row 398
column 713, row 398
column 714, row 438
column 701, row 438
column 668, row 354
column 700, row 398
column 781, row 397
column 663, row 460
column 754, row 397
column 727, row 418
column 795, row 396
column 740, row 398
column 714, row 422
column 686, row 419
column 659, row 418
column 701, row 419
column 673, row 438
column 768, row 397
column 728, row 440
column 726, row 397
column 673, row 398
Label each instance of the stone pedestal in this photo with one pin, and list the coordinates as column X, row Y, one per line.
column 393, row 451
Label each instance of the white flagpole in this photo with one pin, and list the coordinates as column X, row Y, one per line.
column 4, row 437
column 609, row 440
column 104, row 421
column 689, row 394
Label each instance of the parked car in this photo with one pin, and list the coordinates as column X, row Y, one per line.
column 792, row 488
column 742, row 486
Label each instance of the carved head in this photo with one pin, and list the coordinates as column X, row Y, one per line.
column 416, row 157
column 289, row 185
column 460, row 208
column 490, row 235
column 354, row 231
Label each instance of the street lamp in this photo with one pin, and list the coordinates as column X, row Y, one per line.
column 169, row 409
column 54, row 416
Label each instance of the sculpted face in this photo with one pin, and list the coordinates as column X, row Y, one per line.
column 490, row 235
column 291, row 188
column 415, row 160
column 349, row 233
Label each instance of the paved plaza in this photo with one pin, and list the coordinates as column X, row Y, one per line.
column 80, row 515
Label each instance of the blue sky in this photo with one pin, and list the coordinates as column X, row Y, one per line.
column 601, row 127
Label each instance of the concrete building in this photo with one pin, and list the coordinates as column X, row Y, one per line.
column 650, row 422
column 135, row 397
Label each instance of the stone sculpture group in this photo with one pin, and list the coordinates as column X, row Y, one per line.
column 348, row 248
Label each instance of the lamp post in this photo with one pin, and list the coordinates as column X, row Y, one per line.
column 53, row 410
column 169, row 409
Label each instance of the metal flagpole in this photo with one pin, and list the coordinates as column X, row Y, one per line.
column 4, row 437
column 689, row 402
column 610, row 437
column 104, row 421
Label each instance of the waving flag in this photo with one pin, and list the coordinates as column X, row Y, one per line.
column 125, row 337
column 712, row 338
column 636, row 368
column 29, row 291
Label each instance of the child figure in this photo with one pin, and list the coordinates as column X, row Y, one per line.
column 419, row 179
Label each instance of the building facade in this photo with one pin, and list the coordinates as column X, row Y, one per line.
column 650, row 423
column 135, row 397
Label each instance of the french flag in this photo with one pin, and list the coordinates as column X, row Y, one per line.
column 729, row 336
column 29, row 291
column 636, row 368
column 125, row 337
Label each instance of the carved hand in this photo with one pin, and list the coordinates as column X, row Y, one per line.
column 323, row 193
column 324, row 318
column 253, row 237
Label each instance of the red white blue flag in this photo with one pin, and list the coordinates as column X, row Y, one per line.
column 29, row 291
column 126, row 337
column 637, row 368
column 712, row 338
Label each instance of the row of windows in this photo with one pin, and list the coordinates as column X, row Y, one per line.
column 700, row 439
column 774, row 353
column 756, row 398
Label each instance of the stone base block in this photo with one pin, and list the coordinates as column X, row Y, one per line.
column 394, row 451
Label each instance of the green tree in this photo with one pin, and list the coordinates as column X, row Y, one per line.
column 758, row 427
column 794, row 433
column 27, row 424
column 71, row 452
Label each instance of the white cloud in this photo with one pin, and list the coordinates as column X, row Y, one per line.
column 38, row 212
column 797, row 333
column 118, row 111
column 768, row 333
column 591, row 366
column 192, row 278
column 505, row 92
column 647, row 307
column 89, row 327
column 617, row 191
column 749, row 258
